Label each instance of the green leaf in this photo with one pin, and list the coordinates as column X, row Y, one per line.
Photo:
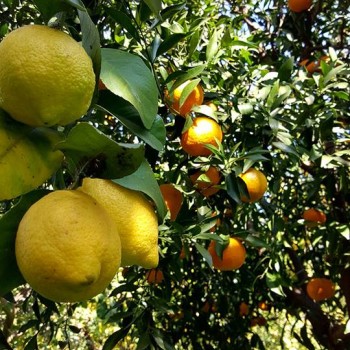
column 155, row 6
column 91, row 40
column 284, row 73
column 78, row 4
column 205, row 254
column 10, row 276
column 169, row 43
column 144, row 180
column 256, row 242
column 86, row 145
column 213, row 46
column 232, row 187
column 113, row 339
column 181, row 77
column 127, row 76
column 27, row 157
column 128, row 115
column 124, row 20
column 49, row 8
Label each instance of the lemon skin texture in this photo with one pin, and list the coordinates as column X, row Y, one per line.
column 46, row 77
column 135, row 219
column 67, row 247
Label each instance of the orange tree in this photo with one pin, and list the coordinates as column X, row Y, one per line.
column 275, row 116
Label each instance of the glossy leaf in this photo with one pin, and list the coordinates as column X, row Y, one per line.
column 128, row 77
column 143, row 180
column 86, row 145
column 128, row 115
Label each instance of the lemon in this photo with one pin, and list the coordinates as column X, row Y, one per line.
column 67, row 247
column 46, row 77
column 135, row 219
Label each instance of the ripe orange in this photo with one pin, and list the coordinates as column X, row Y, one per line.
column 233, row 255
column 195, row 98
column 314, row 217
column 320, row 289
column 299, row 5
column 263, row 306
column 258, row 321
column 154, row 276
column 313, row 66
column 172, row 198
column 207, row 188
column 256, row 184
column 243, row 309
column 203, row 131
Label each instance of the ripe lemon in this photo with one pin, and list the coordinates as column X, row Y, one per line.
column 46, row 77
column 67, row 247
column 256, row 183
column 134, row 216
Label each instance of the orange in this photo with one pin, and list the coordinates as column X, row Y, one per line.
column 233, row 255
column 263, row 306
column 195, row 98
column 258, row 321
column 299, row 5
column 243, row 309
column 207, row 188
column 314, row 217
column 313, row 66
column 203, row 131
column 154, row 276
column 256, row 184
column 320, row 289
column 172, row 198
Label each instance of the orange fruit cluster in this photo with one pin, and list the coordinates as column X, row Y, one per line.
column 154, row 276
column 313, row 66
column 233, row 255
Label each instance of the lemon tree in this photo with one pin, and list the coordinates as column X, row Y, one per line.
column 274, row 82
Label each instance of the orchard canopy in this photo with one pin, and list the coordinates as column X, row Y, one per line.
column 275, row 79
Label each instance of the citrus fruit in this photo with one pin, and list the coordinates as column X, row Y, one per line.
column 258, row 321
column 314, row 217
column 207, row 186
column 263, row 306
column 135, row 219
column 195, row 98
column 203, row 131
column 233, row 255
column 154, row 276
column 67, row 247
column 256, row 184
column 46, row 77
column 320, row 289
column 299, row 5
column 172, row 198
column 313, row 66
column 243, row 309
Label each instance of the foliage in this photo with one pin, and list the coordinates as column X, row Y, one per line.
column 275, row 115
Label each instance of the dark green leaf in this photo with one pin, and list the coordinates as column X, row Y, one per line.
column 144, row 180
column 232, row 187
column 32, row 344
column 213, row 46
column 4, row 345
column 86, row 144
column 128, row 115
column 205, row 254
column 285, row 70
column 155, row 6
column 127, row 76
column 113, row 339
column 78, row 4
column 49, row 8
column 170, row 42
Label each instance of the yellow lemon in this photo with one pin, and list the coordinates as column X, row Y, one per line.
column 135, row 219
column 46, row 77
column 67, row 247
